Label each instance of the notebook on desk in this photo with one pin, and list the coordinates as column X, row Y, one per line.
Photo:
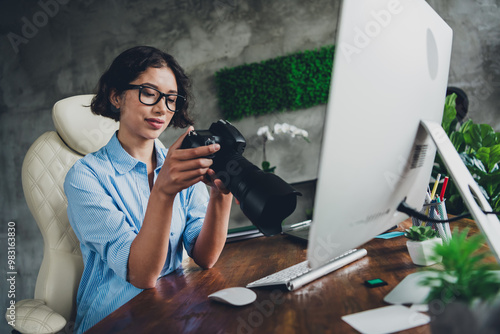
column 390, row 72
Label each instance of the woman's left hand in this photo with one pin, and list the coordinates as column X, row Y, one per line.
column 216, row 184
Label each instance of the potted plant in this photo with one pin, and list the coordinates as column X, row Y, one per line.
column 421, row 245
column 464, row 295
column 479, row 148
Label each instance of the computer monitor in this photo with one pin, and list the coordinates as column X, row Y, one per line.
column 390, row 72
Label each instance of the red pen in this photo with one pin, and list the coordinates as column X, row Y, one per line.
column 443, row 189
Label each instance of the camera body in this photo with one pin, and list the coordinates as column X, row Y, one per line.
column 264, row 197
column 223, row 133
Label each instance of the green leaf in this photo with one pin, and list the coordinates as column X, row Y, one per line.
column 473, row 164
column 489, row 156
column 450, row 113
column 491, row 183
column 480, row 135
column 489, row 135
column 465, row 126
column 266, row 167
column 466, row 277
column 450, row 100
column 458, row 141
column 495, row 202
column 420, row 233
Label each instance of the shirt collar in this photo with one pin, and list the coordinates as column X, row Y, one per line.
column 160, row 157
column 124, row 162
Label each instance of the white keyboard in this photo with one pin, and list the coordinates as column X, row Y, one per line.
column 300, row 274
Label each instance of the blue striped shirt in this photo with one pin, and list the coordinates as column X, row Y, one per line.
column 107, row 193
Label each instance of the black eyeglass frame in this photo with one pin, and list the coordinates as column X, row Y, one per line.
column 141, row 87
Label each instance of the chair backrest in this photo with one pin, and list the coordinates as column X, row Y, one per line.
column 43, row 172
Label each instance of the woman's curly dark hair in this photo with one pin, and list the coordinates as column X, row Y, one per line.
column 126, row 68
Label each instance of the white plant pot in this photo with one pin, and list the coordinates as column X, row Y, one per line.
column 421, row 251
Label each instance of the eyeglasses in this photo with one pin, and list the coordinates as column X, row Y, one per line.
column 151, row 96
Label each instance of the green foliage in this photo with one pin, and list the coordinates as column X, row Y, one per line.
column 420, row 233
column 479, row 148
column 266, row 167
column 450, row 113
column 309, row 213
column 465, row 276
column 292, row 82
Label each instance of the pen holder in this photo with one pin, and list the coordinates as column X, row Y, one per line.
column 435, row 210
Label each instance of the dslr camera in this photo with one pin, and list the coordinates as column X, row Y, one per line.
column 264, row 197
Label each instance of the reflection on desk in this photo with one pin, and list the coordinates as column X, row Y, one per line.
column 179, row 303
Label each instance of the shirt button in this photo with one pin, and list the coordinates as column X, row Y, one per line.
column 172, row 233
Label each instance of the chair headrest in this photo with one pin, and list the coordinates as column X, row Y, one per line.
column 80, row 129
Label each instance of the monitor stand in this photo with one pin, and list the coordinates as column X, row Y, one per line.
column 467, row 186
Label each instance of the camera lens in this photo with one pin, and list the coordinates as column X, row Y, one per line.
column 264, row 197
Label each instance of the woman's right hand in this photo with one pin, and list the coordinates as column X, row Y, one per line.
column 183, row 167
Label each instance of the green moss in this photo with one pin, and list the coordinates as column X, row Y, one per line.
column 297, row 81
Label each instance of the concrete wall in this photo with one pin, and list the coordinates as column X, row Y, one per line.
column 61, row 47
column 475, row 62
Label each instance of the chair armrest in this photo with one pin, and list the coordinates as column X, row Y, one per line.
column 32, row 316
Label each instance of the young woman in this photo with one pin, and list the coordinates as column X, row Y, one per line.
column 134, row 206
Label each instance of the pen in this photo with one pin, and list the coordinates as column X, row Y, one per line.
column 299, row 224
column 440, row 227
column 434, row 189
column 443, row 189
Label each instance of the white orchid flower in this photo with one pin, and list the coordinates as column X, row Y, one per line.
column 265, row 132
column 278, row 129
column 293, row 131
column 290, row 129
column 262, row 130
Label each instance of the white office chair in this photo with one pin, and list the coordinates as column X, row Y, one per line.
column 44, row 169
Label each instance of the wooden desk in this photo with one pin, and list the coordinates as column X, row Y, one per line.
column 179, row 303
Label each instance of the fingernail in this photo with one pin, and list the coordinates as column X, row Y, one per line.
column 217, row 147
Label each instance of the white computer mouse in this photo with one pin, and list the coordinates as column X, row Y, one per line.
column 236, row 296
